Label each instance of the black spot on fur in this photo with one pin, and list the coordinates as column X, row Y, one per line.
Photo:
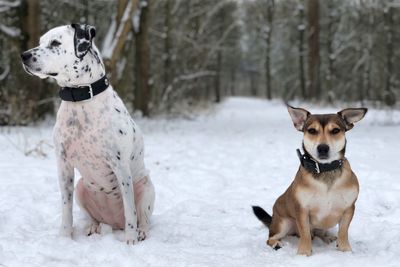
column 84, row 46
column 102, row 188
column 118, row 110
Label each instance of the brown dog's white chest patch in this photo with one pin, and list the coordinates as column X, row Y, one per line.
column 326, row 204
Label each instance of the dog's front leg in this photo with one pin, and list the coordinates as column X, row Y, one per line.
column 343, row 233
column 303, row 226
column 66, row 182
column 125, row 181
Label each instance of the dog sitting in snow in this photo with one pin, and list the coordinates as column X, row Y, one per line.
column 324, row 191
column 95, row 134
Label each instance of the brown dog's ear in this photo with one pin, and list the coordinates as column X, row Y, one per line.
column 352, row 115
column 299, row 117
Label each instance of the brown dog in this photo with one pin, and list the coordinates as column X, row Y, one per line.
column 324, row 190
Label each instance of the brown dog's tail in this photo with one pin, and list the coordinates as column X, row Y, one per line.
column 262, row 215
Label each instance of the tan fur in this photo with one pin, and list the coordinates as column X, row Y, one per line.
column 314, row 203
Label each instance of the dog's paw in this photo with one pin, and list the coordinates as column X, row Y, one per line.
column 345, row 247
column 131, row 237
column 66, row 231
column 302, row 251
column 328, row 238
column 325, row 236
column 93, row 228
column 275, row 244
column 142, row 234
column 305, row 247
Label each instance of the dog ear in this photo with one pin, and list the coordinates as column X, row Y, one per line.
column 83, row 38
column 299, row 117
column 352, row 115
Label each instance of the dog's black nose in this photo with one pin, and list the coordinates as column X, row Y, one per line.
column 323, row 149
column 26, row 55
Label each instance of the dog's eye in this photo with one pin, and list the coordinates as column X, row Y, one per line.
column 335, row 131
column 312, row 131
column 54, row 43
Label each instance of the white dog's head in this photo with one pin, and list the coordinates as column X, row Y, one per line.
column 67, row 54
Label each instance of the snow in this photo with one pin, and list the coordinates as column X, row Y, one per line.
column 207, row 171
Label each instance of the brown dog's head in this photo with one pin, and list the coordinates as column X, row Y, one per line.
column 324, row 134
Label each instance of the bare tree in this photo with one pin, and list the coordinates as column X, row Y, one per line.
column 301, row 28
column 268, row 37
column 313, row 49
column 142, row 89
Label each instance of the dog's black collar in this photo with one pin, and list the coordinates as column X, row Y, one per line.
column 315, row 167
column 81, row 93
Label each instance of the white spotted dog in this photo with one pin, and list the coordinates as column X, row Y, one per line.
column 95, row 134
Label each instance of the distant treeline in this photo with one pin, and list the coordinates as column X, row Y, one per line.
column 175, row 52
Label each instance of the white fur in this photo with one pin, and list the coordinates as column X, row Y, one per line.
column 334, row 149
column 97, row 137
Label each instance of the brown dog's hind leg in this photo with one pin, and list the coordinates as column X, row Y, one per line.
column 324, row 235
column 280, row 227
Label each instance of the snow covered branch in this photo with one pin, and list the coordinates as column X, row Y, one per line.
column 7, row 5
column 5, row 73
column 114, row 43
column 10, row 31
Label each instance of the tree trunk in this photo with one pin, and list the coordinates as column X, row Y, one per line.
column 389, row 97
column 123, row 28
column 301, row 29
column 233, row 81
column 217, row 86
column 253, row 87
column 167, row 46
column 270, row 18
column 313, row 49
column 331, row 75
column 142, row 90
column 33, row 86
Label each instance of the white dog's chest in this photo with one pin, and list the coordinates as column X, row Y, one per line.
column 94, row 136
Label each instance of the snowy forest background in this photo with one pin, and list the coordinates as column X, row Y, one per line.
column 174, row 54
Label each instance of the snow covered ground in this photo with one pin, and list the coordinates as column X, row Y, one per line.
column 207, row 171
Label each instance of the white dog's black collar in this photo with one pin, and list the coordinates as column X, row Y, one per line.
column 315, row 167
column 82, row 93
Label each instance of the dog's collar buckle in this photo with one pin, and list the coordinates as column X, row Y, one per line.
column 317, row 169
column 89, row 90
